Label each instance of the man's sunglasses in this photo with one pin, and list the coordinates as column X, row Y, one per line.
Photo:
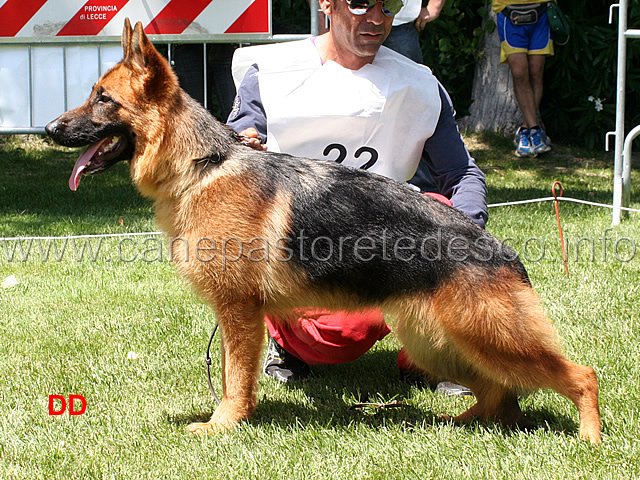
column 360, row 7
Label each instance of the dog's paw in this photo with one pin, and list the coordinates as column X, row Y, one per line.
column 206, row 428
column 217, row 424
column 592, row 435
column 226, row 417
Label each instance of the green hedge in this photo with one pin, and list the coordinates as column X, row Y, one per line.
column 450, row 48
column 579, row 104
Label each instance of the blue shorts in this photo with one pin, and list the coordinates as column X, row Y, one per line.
column 534, row 39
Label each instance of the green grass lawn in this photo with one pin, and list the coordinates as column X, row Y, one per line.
column 116, row 325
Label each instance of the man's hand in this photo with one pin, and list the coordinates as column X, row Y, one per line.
column 252, row 139
column 429, row 13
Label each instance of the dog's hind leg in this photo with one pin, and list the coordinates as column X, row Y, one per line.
column 494, row 403
column 242, row 331
column 504, row 333
column 580, row 384
column 430, row 349
column 490, row 334
column 552, row 370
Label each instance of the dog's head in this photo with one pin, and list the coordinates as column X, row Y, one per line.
column 125, row 104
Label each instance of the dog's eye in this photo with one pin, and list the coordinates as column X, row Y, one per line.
column 102, row 98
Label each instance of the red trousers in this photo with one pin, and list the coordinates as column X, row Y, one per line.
column 320, row 337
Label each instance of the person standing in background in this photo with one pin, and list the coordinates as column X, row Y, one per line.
column 407, row 25
column 525, row 43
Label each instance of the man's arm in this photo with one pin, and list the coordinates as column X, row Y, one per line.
column 248, row 111
column 429, row 13
column 456, row 173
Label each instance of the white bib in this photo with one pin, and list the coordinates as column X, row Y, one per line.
column 377, row 117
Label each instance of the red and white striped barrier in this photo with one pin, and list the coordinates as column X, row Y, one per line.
column 38, row 19
column 52, row 51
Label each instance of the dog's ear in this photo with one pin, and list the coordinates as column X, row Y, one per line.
column 142, row 57
column 139, row 47
column 136, row 46
column 126, row 38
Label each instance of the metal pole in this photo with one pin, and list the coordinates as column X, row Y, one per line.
column 205, row 88
column 313, row 7
column 64, row 78
column 30, row 95
column 620, row 99
column 626, row 156
column 99, row 61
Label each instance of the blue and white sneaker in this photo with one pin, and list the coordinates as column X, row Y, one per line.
column 523, row 143
column 539, row 141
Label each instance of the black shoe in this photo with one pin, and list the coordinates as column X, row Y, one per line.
column 283, row 366
column 453, row 390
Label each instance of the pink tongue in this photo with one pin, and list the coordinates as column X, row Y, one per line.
column 81, row 164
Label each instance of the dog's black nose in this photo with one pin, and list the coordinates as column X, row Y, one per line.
column 51, row 128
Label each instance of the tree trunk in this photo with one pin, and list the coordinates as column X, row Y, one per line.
column 494, row 105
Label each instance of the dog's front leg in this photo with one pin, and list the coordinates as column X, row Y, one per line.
column 243, row 336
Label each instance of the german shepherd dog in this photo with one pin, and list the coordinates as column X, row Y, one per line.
column 266, row 233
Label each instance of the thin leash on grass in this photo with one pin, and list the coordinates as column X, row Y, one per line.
column 208, row 361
